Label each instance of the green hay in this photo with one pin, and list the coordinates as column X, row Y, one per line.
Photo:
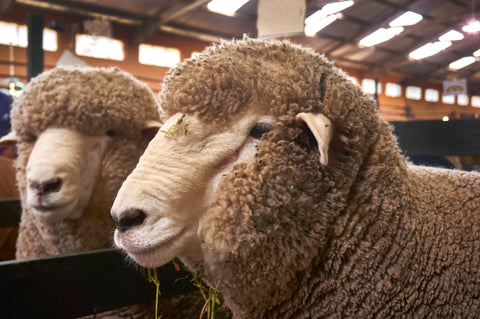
column 213, row 307
column 213, row 304
column 172, row 130
column 152, row 277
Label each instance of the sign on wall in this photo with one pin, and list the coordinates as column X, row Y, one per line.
column 455, row 87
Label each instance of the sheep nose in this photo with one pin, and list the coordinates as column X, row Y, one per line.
column 129, row 219
column 46, row 187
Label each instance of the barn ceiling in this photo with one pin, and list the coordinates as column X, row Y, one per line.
column 338, row 41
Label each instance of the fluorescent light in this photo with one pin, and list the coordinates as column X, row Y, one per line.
column 461, row 63
column 225, row 7
column 408, row 18
column 379, row 36
column 314, row 27
column 473, row 26
column 477, row 53
column 327, row 10
column 335, row 7
column 318, row 15
column 429, row 49
column 451, row 35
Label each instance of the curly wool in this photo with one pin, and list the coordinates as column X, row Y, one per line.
column 92, row 101
column 364, row 236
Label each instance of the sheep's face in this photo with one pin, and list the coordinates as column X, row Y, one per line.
column 167, row 207
column 61, row 173
column 174, row 183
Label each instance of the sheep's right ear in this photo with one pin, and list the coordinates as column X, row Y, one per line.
column 321, row 128
column 150, row 129
column 9, row 140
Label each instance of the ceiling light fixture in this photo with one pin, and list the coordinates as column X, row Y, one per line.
column 476, row 53
column 451, row 35
column 335, row 7
column 396, row 27
column 473, row 26
column 225, row 7
column 312, row 28
column 379, row 36
column 325, row 16
column 429, row 49
column 461, row 63
column 406, row 19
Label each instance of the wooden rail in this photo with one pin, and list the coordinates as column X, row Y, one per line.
column 80, row 284
column 73, row 285
column 438, row 138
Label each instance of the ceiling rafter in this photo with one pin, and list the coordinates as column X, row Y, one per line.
column 151, row 25
column 5, row 5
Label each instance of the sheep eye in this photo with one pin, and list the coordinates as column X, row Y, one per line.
column 259, row 129
column 110, row 133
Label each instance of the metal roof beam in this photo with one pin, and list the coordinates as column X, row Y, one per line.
column 152, row 25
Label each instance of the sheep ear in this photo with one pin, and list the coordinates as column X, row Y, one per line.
column 150, row 129
column 9, row 140
column 321, row 128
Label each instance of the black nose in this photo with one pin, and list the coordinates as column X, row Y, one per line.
column 129, row 219
column 46, row 187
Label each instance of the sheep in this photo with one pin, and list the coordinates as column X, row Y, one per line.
column 79, row 132
column 276, row 177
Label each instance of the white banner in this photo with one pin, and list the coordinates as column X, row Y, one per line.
column 280, row 17
column 455, row 87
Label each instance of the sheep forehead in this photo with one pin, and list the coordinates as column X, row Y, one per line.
column 243, row 72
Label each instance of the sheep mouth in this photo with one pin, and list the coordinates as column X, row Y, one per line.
column 157, row 253
column 146, row 250
column 54, row 212
column 50, row 208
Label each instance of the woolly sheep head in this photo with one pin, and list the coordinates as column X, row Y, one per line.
column 69, row 124
column 239, row 181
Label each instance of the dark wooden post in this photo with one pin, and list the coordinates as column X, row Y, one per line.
column 35, row 45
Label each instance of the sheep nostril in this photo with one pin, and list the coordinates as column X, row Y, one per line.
column 129, row 219
column 50, row 186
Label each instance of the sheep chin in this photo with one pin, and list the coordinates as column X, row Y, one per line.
column 148, row 253
column 56, row 214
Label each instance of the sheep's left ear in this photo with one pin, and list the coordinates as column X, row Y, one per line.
column 9, row 140
column 321, row 128
column 150, row 129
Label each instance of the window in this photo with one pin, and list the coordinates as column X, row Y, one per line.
column 462, row 99
column 158, row 55
column 195, row 54
column 393, row 89
column 448, row 99
column 14, row 34
column 368, row 86
column 413, row 93
column 99, row 47
column 476, row 101
column 432, row 95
